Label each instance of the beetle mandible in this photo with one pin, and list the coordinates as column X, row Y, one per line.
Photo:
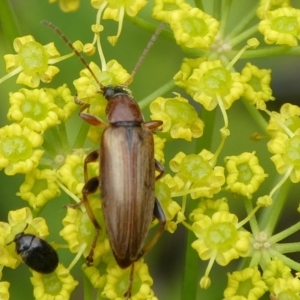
column 127, row 172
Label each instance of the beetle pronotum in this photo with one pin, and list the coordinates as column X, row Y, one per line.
column 127, row 173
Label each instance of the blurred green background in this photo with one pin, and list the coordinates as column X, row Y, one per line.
column 166, row 260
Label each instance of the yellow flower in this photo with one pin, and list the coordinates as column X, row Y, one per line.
column 202, row 178
column 245, row 284
column 64, row 100
column 208, row 207
column 276, row 269
column 117, row 282
column 281, row 26
column 289, row 116
column 219, row 238
column 33, row 108
column 287, row 154
column 256, row 83
column 86, row 85
column 269, row 5
column 193, row 28
column 4, row 293
column 71, row 173
column 57, row 285
column 39, row 187
column 209, row 82
column 178, row 116
column 32, row 61
column 79, row 231
column 18, row 153
column 162, row 9
column 245, row 175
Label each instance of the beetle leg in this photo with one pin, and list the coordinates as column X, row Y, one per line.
column 127, row 294
column 159, row 168
column 88, row 118
column 152, row 125
column 91, row 157
column 159, row 214
column 90, row 187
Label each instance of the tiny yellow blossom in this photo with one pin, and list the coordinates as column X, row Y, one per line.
column 256, row 83
column 34, row 109
column 245, row 284
column 245, row 175
column 269, row 5
column 204, row 179
column 4, row 293
column 208, row 207
column 289, row 116
column 71, row 173
column 275, row 269
column 170, row 207
column 208, row 81
column 162, row 9
column 32, row 61
column 79, row 231
column 281, row 26
column 117, row 282
column 178, row 116
column 18, row 153
column 39, row 187
column 57, row 285
column 286, row 152
column 220, row 238
column 86, row 85
column 64, row 100
column 193, row 28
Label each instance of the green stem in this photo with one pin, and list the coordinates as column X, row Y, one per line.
column 289, row 262
column 49, row 147
column 256, row 116
column 88, row 289
column 191, row 274
column 224, row 17
column 243, row 36
column 242, row 24
column 56, row 139
column 270, row 216
column 265, row 52
column 158, row 93
column 81, row 136
column 64, row 137
column 285, row 233
column 288, row 247
column 253, row 221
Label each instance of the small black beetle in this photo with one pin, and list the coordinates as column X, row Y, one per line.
column 36, row 253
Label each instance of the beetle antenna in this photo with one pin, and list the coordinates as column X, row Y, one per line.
column 154, row 37
column 64, row 38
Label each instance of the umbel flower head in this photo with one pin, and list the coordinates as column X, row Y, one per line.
column 19, row 151
column 32, row 61
column 209, row 82
column 281, row 26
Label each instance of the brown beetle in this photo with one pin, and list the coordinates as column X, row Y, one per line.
column 127, row 174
